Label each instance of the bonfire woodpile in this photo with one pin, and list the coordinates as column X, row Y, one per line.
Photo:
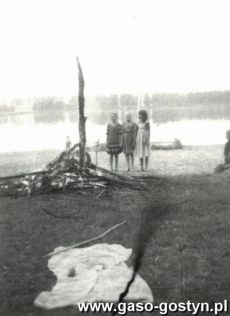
column 65, row 173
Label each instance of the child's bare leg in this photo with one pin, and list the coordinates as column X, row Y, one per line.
column 132, row 160
column 142, row 164
column 146, row 163
column 127, row 161
column 116, row 162
column 111, row 162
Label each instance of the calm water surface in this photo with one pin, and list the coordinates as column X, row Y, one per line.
column 24, row 133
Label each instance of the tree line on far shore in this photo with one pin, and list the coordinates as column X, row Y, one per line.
column 161, row 106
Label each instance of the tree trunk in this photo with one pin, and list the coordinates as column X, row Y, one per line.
column 82, row 118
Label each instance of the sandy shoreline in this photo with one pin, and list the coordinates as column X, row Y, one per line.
column 190, row 160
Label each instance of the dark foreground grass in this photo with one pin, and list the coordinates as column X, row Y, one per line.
column 187, row 257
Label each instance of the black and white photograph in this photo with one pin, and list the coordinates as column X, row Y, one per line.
column 114, row 157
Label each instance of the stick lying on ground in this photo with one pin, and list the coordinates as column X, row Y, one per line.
column 58, row 216
column 100, row 194
column 21, row 175
column 86, row 241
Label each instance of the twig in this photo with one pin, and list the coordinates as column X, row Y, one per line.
column 117, row 175
column 100, row 194
column 86, row 241
column 58, row 216
column 22, row 175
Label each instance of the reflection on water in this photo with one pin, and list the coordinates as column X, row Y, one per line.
column 25, row 132
column 48, row 117
column 3, row 119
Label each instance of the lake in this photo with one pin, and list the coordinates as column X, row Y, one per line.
column 23, row 132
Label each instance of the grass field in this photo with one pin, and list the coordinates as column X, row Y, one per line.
column 187, row 257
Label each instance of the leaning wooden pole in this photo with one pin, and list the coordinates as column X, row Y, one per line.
column 82, row 118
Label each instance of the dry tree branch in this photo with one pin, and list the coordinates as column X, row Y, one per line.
column 82, row 118
column 58, row 216
column 97, row 197
column 86, row 241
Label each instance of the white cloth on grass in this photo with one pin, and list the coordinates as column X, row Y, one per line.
column 101, row 275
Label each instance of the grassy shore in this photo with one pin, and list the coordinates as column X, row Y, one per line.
column 187, row 257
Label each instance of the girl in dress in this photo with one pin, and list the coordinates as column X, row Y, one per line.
column 129, row 130
column 114, row 140
column 142, row 149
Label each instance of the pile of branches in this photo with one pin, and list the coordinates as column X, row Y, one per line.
column 63, row 173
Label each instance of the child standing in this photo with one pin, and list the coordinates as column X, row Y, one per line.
column 114, row 140
column 129, row 130
column 227, row 149
column 142, row 149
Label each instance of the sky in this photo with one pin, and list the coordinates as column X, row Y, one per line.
column 124, row 46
